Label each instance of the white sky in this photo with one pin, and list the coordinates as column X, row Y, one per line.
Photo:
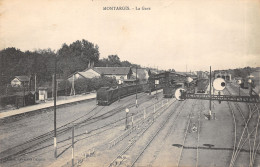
column 174, row 33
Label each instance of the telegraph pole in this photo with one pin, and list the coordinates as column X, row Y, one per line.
column 55, row 139
column 156, row 85
column 72, row 146
column 210, row 93
column 52, row 90
column 136, row 88
column 23, row 94
column 35, row 88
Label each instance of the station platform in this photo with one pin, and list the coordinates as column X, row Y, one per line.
column 46, row 105
column 49, row 104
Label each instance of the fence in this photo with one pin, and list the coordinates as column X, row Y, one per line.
column 141, row 122
column 80, row 158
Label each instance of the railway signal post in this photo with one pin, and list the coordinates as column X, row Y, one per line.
column 219, row 84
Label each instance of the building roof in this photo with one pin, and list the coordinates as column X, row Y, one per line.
column 112, row 70
column 23, row 78
column 184, row 74
column 87, row 74
column 153, row 72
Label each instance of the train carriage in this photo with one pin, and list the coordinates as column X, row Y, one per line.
column 106, row 96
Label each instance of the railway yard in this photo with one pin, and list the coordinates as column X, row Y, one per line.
column 129, row 83
column 159, row 132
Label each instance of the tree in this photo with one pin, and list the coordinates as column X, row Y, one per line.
column 77, row 56
column 10, row 59
column 114, row 61
column 126, row 64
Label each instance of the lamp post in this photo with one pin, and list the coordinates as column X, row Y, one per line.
column 126, row 112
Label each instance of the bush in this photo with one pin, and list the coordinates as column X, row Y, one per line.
column 64, row 88
column 7, row 100
column 88, row 85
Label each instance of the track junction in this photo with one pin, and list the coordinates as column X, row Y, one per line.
column 158, row 132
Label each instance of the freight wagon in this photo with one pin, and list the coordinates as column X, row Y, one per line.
column 202, row 85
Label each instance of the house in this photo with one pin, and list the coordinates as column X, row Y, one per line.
column 20, row 81
column 119, row 73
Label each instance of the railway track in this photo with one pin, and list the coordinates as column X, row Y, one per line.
column 140, row 146
column 79, row 137
column 118, row 160
column 139, row 122
column 193, row 125
column 25, row 147
column 249, row 133
column 170, row 131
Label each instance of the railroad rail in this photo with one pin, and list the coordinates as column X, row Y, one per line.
column 186, row 133
column 25, row 147
column 141, row 122
column 243, row 139
column 121, row 156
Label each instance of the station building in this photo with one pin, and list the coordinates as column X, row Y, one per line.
column 222, row 74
